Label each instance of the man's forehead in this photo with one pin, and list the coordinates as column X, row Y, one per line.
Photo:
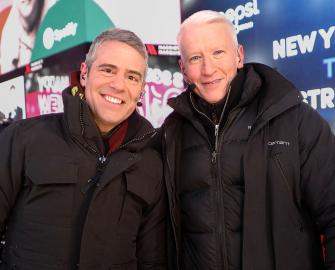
column 206, row 35
column 125, row 68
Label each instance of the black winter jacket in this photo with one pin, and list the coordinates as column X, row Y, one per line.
column 285, row 154
column 48, row 167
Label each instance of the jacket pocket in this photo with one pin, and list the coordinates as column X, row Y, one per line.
column 52, row 170
column 49, row 187
column 141, row 187
column 287, row 189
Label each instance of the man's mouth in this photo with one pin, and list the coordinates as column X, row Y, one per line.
column 113, row 100
column 212, row 82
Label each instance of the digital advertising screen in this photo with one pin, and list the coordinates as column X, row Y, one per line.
column 46, row 79
column 19, row 24
column 35, row 29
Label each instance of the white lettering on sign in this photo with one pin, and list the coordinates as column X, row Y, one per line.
column 50, row 35
column 299, row 44
column 240, row 12
column 53, row 84
column 320, row 98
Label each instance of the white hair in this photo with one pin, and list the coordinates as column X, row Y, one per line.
column 206, row 17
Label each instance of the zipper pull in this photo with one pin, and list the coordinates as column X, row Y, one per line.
column 102, row 159
column 86, row 187
column 90, row 183
column 216, row 131
column 214, row 157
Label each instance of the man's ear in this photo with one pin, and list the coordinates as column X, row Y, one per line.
column 83, row 74
column 240, row 56
column 182, row 69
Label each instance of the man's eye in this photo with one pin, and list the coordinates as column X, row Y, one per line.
column 133, row 78
column 218, row 53
column 107, row 71
column 195, row 58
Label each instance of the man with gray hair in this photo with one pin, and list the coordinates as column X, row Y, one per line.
column 83, row 189
column 250, row 168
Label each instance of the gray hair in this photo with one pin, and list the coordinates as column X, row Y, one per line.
column 206, row 17
column 121, row 35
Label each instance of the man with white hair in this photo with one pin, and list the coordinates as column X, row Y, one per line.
column 249, row 166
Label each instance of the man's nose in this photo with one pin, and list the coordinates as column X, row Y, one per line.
column 208, row 66
column 118, row 82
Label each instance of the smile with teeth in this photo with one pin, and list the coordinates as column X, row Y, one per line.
column 212, row 82
column 113, row 100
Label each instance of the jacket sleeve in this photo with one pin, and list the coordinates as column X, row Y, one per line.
column 11, row 167
column 151, row 241
column 317, row 153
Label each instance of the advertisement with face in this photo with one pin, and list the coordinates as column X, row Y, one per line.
column 20, row 22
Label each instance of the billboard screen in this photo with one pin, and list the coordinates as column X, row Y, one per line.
column 35, row 29
column 45, row 80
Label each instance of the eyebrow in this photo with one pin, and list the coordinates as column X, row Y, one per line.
column 131, row 71
column 134, row 72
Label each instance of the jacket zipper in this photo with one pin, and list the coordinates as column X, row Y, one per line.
column 100, row 166
column 210, row 146
column 102, row 161
column 172, row 216
column 94, row 181
column 101, row 157
column 137, row 139
column 221, row 244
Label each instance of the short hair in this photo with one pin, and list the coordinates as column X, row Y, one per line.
column 120, row 35
column 206, row 17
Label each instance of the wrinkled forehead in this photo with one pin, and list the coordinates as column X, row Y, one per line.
column 215, row 25
column 206, row 35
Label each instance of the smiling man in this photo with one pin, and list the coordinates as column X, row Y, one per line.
column 249, row 166
column 113, row 88
column 83, row 189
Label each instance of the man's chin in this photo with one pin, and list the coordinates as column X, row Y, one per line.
column 213, row 98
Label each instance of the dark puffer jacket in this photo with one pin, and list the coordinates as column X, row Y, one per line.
column 51, row 167
column 260, row 199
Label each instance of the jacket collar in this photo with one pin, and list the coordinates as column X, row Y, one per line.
column 275, row 93
column 79, row 120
